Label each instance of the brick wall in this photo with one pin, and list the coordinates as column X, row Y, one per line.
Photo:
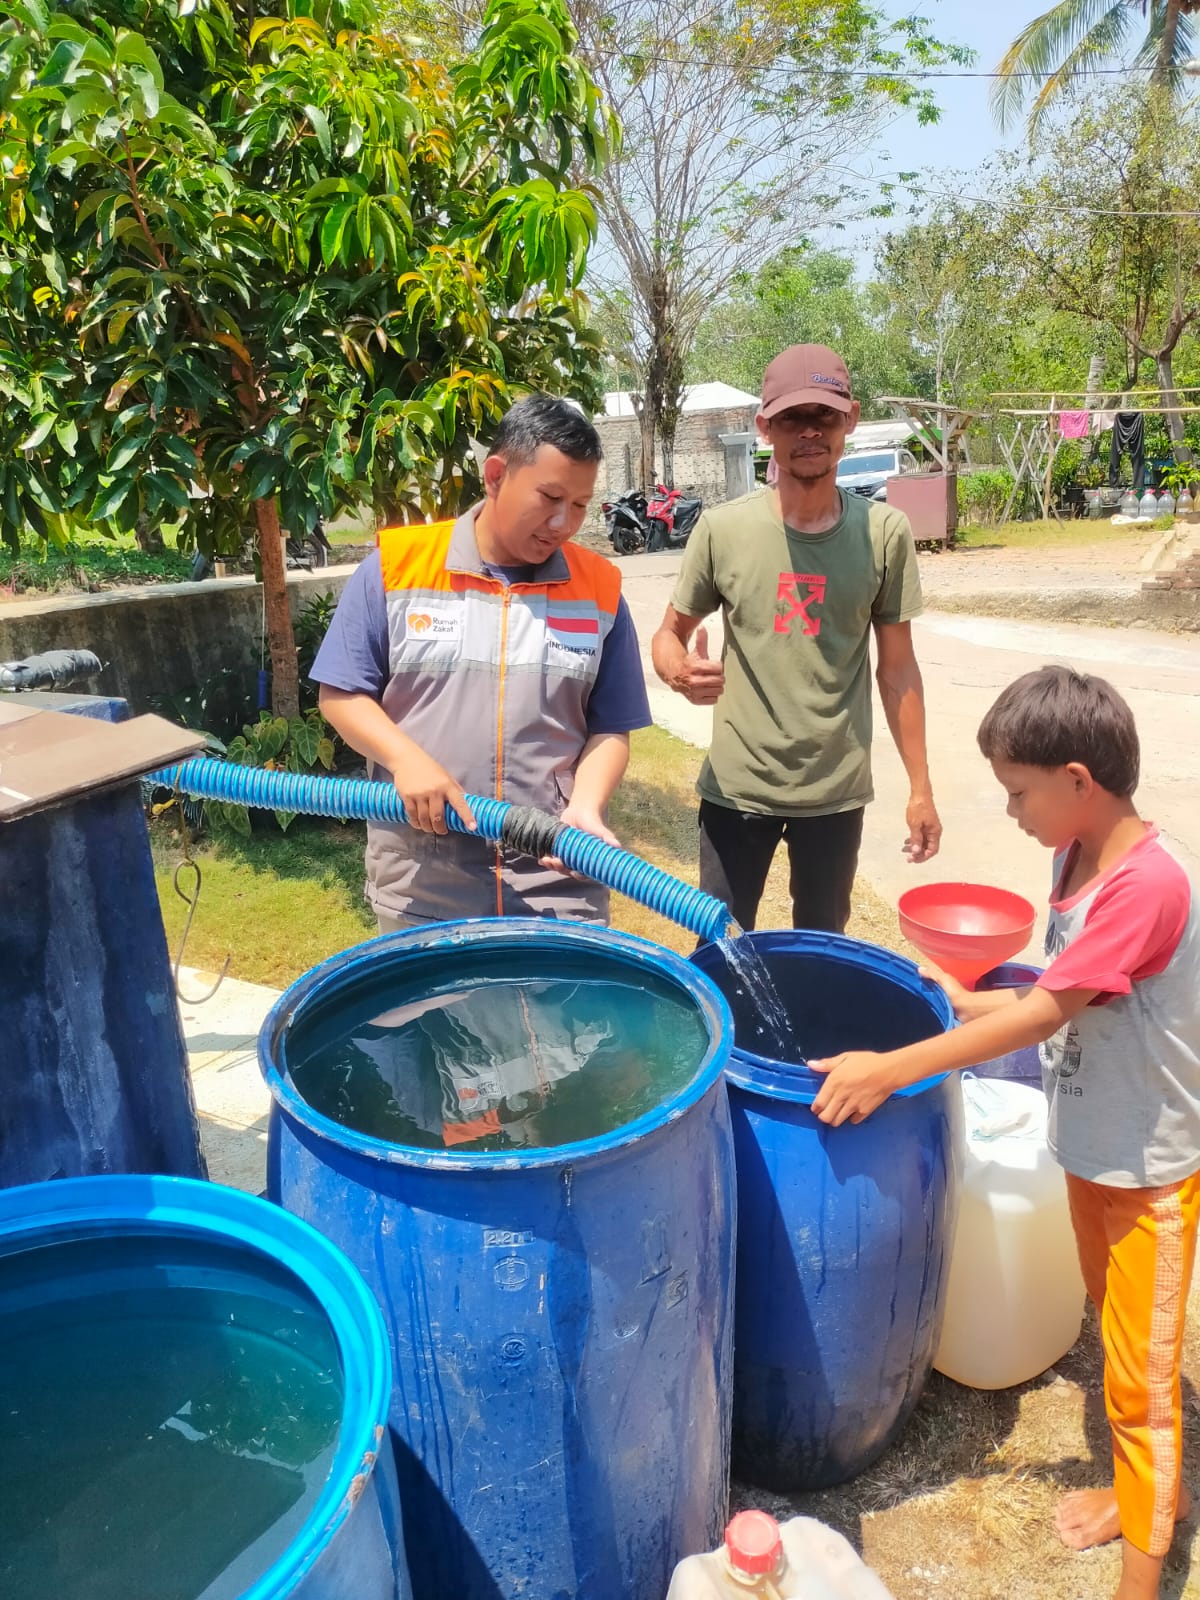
column 699, row 455
column 1185, row 575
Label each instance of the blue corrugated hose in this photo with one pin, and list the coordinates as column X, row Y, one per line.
column 312, row 795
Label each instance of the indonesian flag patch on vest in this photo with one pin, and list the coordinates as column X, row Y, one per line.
column 581, row 635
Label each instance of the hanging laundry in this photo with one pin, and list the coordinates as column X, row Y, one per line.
column 1073, row 424
column 1102, row 421
column 1129, row 438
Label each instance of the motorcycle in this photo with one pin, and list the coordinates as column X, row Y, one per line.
column 303, row 555
column 670, row 518
column 625, row 522
column 662, row 521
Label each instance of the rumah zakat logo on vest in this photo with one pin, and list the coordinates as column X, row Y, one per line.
column 426, row 625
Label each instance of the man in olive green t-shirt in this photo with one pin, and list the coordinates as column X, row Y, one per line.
column 803, row 574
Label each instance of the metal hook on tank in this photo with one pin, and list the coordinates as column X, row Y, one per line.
column 192, row 901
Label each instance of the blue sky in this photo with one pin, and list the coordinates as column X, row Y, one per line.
column 966, row 134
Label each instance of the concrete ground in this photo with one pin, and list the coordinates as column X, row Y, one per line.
column 231, row 1098
column 966, row 660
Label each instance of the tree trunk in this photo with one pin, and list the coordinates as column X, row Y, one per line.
column 667, row 445
column 1164, row 366
column 1165, row 56
column 646, row 420
column 147, row 537
column 1095, row 377
column 281, row 641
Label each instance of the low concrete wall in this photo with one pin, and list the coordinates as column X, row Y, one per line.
column 1167, row 610
column 160, row 639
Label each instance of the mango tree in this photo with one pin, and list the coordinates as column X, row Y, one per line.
column 260, row 263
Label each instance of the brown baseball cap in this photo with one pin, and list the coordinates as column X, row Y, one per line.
column 806, row 375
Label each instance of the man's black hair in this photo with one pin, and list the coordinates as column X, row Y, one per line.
column 541, row 419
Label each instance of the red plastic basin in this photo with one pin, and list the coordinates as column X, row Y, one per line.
column 966, row 928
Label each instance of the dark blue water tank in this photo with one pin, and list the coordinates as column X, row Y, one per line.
column 350, row 1546
column 93, row 1064
column 843, row 1233
column 560, row 1318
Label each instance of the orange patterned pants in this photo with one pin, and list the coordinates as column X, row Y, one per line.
column 1136, row 1248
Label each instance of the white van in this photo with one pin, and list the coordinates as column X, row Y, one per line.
column 866, row 472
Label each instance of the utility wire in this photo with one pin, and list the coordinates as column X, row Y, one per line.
column 914, row 76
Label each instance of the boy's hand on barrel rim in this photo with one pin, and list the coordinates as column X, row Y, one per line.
column 857, row 1083
column 959, row 996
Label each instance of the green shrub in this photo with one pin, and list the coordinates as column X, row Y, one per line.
column 302, row 744
column 982, row 496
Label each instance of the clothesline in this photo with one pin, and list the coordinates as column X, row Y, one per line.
column 1091, row 400
column 1136, row 411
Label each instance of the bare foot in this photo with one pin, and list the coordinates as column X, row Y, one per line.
column 1088, row 1517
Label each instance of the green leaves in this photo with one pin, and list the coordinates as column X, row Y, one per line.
column 292, row 744
column 274, row 262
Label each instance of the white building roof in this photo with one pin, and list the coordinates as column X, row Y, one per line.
column 696, row 397
column 879, row 435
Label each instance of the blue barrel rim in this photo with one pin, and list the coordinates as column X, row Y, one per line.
column 113, row 1202
column 792, row 1081
column 330, row 975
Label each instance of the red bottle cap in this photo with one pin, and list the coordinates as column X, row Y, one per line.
column 753, row 1542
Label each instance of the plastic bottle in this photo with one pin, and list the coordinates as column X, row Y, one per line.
column 1148, row 504
column 761, row 1560
column 1184, row 505
column 1015, row 1296
column 1129, row 504
column 1166, row 504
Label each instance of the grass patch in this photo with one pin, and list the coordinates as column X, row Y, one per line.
column 87, row 566
column 276, row 903
column 1072, row 532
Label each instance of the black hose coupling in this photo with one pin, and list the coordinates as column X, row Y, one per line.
column 530, row 830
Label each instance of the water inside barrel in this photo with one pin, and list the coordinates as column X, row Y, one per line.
column 500, row 1061
column 169, row 1410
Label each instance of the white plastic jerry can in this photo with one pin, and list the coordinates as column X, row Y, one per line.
column 1015, row 1296
column 762, row 1560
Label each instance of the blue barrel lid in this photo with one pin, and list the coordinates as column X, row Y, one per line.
column 793, row 1080
column 73, row 1208
column 342, row 973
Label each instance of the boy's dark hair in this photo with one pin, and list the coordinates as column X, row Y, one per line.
column 1054, row 716
column 541, row 419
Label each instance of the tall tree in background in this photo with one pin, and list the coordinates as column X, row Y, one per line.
column 1103, row 227
column 940, row 286
column 953, row 290
column 742, row 123
column 259, row 263
column 1075, row 37
column 805, row 297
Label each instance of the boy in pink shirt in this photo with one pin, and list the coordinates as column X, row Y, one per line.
column 1117, row 1016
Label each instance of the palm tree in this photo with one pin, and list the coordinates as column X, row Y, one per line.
column 1073, row 37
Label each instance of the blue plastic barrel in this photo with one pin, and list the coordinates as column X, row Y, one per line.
column 97, row 1251
column 843, row 1233
column 560, row 1317
column 1024, row 1065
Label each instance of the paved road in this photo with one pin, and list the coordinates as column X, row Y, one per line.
column 966, row 661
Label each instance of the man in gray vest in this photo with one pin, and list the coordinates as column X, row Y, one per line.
column 493, row 656
column 803, row 574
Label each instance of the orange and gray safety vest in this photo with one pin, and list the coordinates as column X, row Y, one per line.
column 492, row 681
